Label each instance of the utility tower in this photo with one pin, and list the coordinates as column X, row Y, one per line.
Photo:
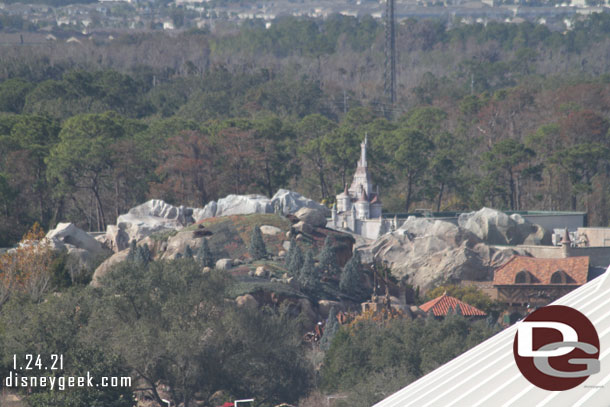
column 390, row 52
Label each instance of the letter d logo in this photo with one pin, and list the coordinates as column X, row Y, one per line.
column 526, row 338
column 556, row 348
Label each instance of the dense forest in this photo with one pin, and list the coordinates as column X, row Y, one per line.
column 509, row 116
column 512, row 116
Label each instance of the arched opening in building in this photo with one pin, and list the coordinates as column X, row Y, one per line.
column 523, row 277
column 559, row 277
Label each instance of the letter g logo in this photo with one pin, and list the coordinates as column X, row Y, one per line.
column 556, row 348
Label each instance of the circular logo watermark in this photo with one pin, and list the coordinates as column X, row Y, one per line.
column 556, row 348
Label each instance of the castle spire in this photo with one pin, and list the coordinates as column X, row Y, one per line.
column 363, row 147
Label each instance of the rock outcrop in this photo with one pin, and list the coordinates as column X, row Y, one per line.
column 144, row 220
column 429, row 252
column 67, row 234
column 285, row 202
column 84, row 251
column 313, row 217
column 234, row 205
column 107, row 265
column 495, row 227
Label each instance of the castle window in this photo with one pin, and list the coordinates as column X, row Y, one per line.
column 558, row 277
column 523, row 277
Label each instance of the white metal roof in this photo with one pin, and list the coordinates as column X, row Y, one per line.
column 487, row 374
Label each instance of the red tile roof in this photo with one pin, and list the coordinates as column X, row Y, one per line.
column 541, row 270
column 440, row 306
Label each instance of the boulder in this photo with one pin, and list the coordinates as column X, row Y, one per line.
column 247, row 301
column 270, row 230
column 303, row 227
column 177, row 244
column 144, row 220
column 285, row 202
column 261, row 271
column 208, row 211
column 224, row 264
column 206, row 270
column 428, row 252
column 105, row 267
column 67, row 234
column 313, row 217
column 497, row 228
column 243, row 205
column 117, row 238
column 282, row 253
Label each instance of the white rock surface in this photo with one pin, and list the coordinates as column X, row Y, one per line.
column 144, row 220
column 270, row 230
column 67, row 234
column 243, row 205
column 208, row 211
column 285, row 202
column 224, row 264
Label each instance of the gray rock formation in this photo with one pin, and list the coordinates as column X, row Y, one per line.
column 177, row 244
column 208, row 211
column 67, row 234
column 433, row 251
column 224, row 264
column 144, row 220
column 495, row 227
column 242, row 205
column 313, row 217
column 285, row 202
column 105, row 267
column 84, row 251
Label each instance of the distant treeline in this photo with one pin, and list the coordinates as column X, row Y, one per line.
column 512, row 122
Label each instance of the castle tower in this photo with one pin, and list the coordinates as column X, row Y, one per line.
column 362, row 205
column 344, row 201
column 362, row 176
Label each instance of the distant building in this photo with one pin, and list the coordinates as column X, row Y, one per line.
column 358, row 208
column 441, row 306
column 528, row 282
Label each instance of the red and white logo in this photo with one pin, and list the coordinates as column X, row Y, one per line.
column 556, row 348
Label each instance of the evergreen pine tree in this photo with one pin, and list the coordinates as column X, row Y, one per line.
column 143, row 255
column 308, row 277
column 204, row 254
column 290, row 253
column 133, row 250
column 188, row 252
column 296, row 260
column 350, row 277
column 328, row 258
column 330, row 329
column 257, row 247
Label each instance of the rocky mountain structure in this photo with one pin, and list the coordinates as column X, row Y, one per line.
column 426, row 252
column 157, row 216
column 85, row 251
